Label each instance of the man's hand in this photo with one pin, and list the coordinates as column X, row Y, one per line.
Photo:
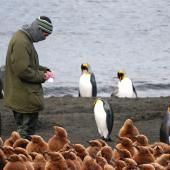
column 48, row 75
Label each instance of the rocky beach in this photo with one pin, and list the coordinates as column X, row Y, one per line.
column 77, row 117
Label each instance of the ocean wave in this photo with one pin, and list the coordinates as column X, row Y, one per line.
column 159, row 86
column 147, row 90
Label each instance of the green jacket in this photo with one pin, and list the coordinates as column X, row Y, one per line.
column 23, row 91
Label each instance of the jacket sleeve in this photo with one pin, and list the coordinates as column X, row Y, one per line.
column 43, row 68
column 21, row 66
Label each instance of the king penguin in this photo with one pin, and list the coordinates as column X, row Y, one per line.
column 87, row 82
column 126, row 87
column 104, row 118
column 165, row 127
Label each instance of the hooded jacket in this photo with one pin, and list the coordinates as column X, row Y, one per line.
column 23, row 91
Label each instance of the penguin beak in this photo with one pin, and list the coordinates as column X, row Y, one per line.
column 94, row 102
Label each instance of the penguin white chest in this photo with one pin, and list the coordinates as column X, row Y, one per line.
column 85, row 86
column 125, row 88
column 100, row 118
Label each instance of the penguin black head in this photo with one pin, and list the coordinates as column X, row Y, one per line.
column 120, row 74
column 85, row 66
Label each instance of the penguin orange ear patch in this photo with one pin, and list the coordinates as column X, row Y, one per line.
column 121, row 72
column 95, row 101
column 85, row 65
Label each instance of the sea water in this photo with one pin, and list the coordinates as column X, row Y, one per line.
column 108, row 34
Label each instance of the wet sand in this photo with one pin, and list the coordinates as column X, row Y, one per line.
column 77, row 117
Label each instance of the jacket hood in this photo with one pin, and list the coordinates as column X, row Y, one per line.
column 33, row 31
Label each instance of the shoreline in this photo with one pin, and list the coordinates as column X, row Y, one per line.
column 77, row 117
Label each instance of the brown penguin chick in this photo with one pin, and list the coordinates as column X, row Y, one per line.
column 8, row 150
column 126, row 143
column 15, row 162
column 107, row 153
column 108, row 167
column 60, row 138
column 130, row 164
column 104, row 143
column 144, row 155
column 2, row 159
column 26, row 162
column 146, row 167
column 119, row 164
column 158, row 166
column 157, row 151
column 33, row 155
column 80, row 150
column 73, row 162
column 130, row 161
column 121, row 153
column 21, row 143
column 128, row 130
column 101, row 161
column 38, row 161
column 141, row 140
column 55, row 161
column 90, row 164
column 67, row 147
column 71, row 165
column 165, row 147
column 163, row 159
column 13, row 137
column 93, row 148
column 131, row 168
column 19, row 150
column 37, row 144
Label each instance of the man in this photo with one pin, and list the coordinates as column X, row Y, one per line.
column 125, row 87
column 23, row 92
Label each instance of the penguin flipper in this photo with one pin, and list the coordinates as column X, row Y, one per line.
column 164, row 137
column 164, row 134
column 94, row 86
column 134, row 90
column 109, row 117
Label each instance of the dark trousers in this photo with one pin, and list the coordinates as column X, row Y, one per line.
column 26, row 123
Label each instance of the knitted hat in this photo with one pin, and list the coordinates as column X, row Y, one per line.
column 45, row 24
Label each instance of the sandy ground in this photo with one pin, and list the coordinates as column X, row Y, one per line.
column 77, row 117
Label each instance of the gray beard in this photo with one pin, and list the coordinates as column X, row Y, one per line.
column 33, row 31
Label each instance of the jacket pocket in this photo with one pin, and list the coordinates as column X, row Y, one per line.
column 36, row 100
